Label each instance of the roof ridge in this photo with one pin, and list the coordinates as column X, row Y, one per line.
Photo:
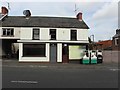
column 46, row 17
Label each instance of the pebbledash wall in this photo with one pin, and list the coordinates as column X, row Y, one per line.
column 62, row 36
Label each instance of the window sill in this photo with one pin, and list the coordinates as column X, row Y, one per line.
column 7, row 35
column 33, row 56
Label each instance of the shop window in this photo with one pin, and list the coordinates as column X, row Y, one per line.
column 34, row 50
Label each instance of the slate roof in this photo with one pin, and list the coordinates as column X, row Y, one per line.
column 37, row 21
column 0, row 15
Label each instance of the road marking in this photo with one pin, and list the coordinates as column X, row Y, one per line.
column 114, row 69
column 29, row 82
column 38, row 66
column 32, row 66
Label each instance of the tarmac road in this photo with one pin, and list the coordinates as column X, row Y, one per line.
column 37, row 75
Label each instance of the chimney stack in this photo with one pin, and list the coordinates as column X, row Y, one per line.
column 118, row 31
column 4, row 11
column 79, row 16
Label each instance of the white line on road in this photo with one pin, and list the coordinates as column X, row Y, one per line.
column 114, row 69
column 29, row 82
column 32, row 66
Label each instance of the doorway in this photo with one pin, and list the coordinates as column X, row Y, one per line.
column 65, row 54
column 53, row 53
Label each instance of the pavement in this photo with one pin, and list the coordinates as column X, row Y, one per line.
column 15, row 63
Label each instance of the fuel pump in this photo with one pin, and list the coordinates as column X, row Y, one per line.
column 99, row 56
column 93, row 57
column 86, row 58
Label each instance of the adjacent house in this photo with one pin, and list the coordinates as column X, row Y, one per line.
column 8, row 35
column 116, row 40
column 45, row 39
column 103, row 45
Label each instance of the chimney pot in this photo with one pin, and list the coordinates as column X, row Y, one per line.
column 79, row 16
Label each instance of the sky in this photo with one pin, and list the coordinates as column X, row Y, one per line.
column 101, row 16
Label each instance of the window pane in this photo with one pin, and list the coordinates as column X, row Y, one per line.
column 4, row 31
column 53, row 37
column 8, row 31
column 52, row 31
column 117, row 41
column 73, row 34
column 53, row 34
column 34, row 50
column 12, row 32
column 36, row 34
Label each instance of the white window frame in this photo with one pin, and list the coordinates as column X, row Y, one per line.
column 116, row 43
column 36, row 36
column 6, row 31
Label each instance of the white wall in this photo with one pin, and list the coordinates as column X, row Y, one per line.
column 44, row 34
column 63, row 34
column 26, row 33
column 33, row 59
column 17, row 32
column 59, row 52
column 82, row 34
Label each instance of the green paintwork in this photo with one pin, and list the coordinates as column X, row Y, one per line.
column 85, row 61
column 93, row 61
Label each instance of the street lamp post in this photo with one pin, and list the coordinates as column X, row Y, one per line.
column 92, row 41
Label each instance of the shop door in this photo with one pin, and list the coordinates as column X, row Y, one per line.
column 53, row 53
column 65, row 57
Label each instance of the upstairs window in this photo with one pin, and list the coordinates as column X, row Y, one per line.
column 53, row 34
column 74, row 35
column 8, row 31
column 36, row 34
column 116, row 41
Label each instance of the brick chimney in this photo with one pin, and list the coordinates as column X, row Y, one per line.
column 4, row 10
column 79, row 16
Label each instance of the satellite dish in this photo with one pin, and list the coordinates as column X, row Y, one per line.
column 27, row 13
